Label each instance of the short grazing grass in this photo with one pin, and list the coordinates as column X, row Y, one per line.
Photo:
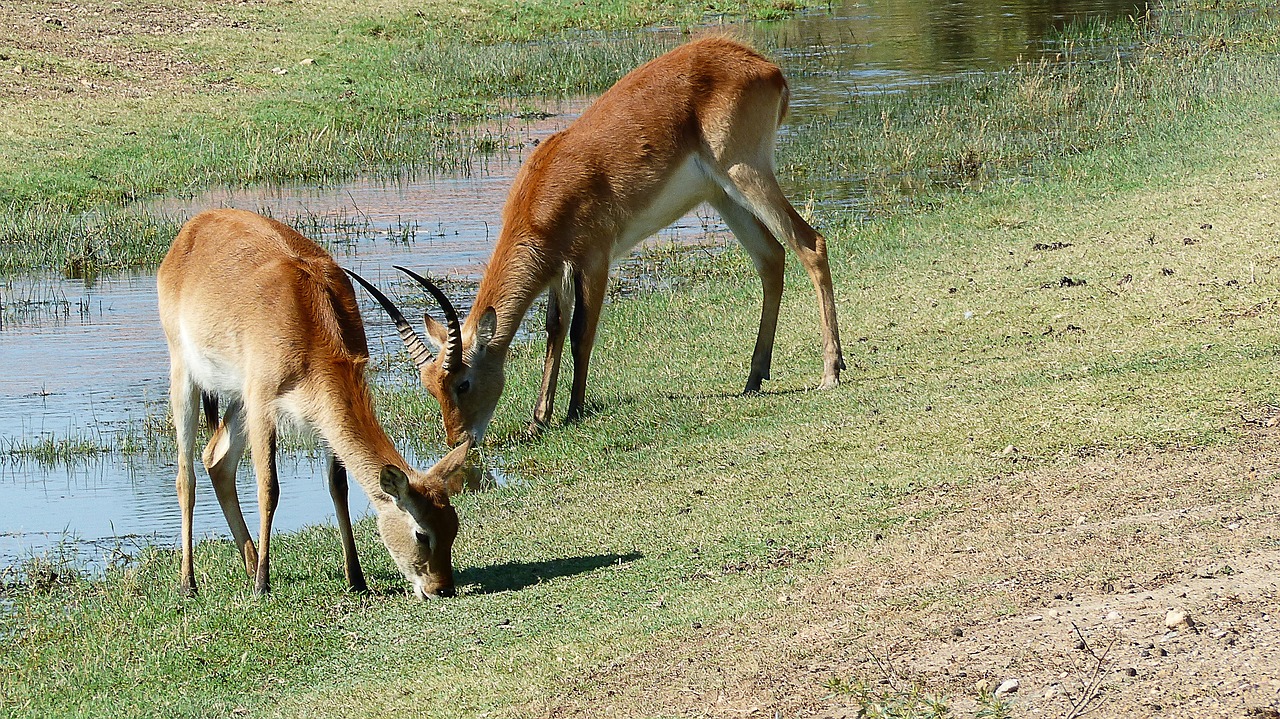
column 1123, row 300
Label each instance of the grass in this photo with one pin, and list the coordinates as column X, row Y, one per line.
column 878, row 153
column 383, row 89
column 81, row 244
column 892, row 702
column 1023, row 124
column 387, row 88
column 677, row 512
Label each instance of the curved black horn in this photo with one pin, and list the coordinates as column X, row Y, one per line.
column 418, row 351
column 453, row 350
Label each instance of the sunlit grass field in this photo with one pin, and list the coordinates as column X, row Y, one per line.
column 1094, row 273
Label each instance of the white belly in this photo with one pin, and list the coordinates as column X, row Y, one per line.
column 687, row 186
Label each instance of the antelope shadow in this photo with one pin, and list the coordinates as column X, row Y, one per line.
column 514, row 576
column 740, row 394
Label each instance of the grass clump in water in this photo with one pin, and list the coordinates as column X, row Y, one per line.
column 80, row 245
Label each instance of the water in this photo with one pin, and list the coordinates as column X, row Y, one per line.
column 888, row 45
column 85, row 361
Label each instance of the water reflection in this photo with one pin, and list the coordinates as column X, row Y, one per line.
column 86, row 359
column 887, row 45
column 90, row 502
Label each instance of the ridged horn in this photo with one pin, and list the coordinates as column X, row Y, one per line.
column 452, row 350
column 418, row 351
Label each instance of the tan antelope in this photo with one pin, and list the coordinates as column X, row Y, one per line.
column 258, row 314
column 696, row 124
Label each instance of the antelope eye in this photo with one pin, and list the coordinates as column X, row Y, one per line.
column 422, row 538
column 463, row 386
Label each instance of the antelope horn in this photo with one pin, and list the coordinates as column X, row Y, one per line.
column 418, row 351
column 453, row 350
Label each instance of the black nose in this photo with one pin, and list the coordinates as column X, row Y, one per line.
column 446, row 592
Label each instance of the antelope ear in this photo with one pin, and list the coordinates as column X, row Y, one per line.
column 438, row 333
column 486, row 327
column 394, row 482
column 451, row 464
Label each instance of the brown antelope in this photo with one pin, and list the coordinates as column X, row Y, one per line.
column 257, row 313
column 697, row 124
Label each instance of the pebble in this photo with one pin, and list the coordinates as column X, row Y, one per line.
column 1009, row 686
column 1176, row 619
column 1114, row 616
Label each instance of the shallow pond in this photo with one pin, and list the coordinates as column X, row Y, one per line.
column 85, row 363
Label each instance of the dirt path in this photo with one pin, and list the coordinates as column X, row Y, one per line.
column 1063, row 580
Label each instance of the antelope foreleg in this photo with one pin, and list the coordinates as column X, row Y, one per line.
column 559, row 308
column 338, row 492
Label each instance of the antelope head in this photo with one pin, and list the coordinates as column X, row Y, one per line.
column 420, row 537
column 466, row 373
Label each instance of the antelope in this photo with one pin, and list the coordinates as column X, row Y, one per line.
column 696, row 124
column 256, row 313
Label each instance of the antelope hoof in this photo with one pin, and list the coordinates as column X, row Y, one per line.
column 262, row 585
column 187, row 591
column 831, row 377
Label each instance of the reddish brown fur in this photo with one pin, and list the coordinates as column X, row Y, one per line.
column 695, row 124
column 259, row 314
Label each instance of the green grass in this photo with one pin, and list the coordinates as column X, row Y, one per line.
column 882, row 153
column 677, row 507
column 81, row 244
column 1035, row 119
column 387, row 86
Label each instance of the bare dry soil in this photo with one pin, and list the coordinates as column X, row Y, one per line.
column 1068, row 591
